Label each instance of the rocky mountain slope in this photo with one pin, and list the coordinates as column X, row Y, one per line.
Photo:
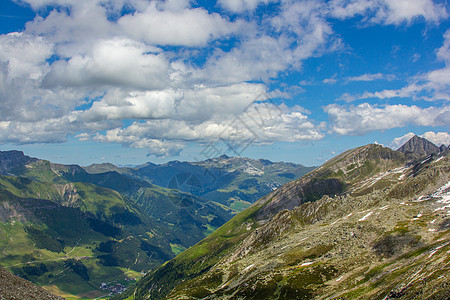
column 371, row 223
column 13, row 287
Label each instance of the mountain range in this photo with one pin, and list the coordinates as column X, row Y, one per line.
column 371, row 223
column 78, row 230
column 235, row 182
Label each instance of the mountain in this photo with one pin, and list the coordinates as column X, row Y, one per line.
column 198, row 196
column 123, row 225
column 186, row 218
column 419, row 146
column 234, row 182
column 13, row 160
column 65, row 229
column 13, row 287
column 368, row 224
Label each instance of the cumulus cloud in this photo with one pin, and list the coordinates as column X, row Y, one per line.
column 25, row 55
column 437, row 138
column 187, row 27
column 116, row 62
column 178, row 73
column 398, row 11
column 298, row 32
column 259, row 123
column 389, row 11
column 363, row 118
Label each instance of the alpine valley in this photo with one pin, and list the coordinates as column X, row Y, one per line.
column 371, row 223
column 91, row 232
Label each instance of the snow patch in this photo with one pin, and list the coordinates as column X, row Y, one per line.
column 252, row 170
column 371, row 181
column 438, row 159
column 365, row 217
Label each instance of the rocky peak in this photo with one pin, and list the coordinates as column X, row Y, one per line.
column 13, row 159
column 444, row 149
column 419, row 146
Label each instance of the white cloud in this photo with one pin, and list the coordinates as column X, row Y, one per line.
column 437, row 138
column 329, row 81
column 24, row 54
column 371, row 77
column 117, row 62
column 363, row 118
column 388, row 11
column 344, row 9
column 240, row 6
column 156, row 147
column 298, row 32
column 259, row 123
column 188, row 27
column 398, row 11
column 84, row 68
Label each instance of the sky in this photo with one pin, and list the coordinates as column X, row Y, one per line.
column 132, row 81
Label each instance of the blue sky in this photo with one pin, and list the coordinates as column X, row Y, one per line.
column 130, row 81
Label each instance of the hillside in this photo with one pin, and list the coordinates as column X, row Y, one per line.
column 369, row 223
column 72, row 237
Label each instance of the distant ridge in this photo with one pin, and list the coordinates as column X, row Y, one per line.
column 419, row 146
column 13, row 159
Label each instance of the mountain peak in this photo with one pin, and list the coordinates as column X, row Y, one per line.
column 13, row 159
column 418, row 145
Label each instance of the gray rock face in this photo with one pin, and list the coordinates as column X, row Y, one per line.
column 419, row 146
column 444, row 149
